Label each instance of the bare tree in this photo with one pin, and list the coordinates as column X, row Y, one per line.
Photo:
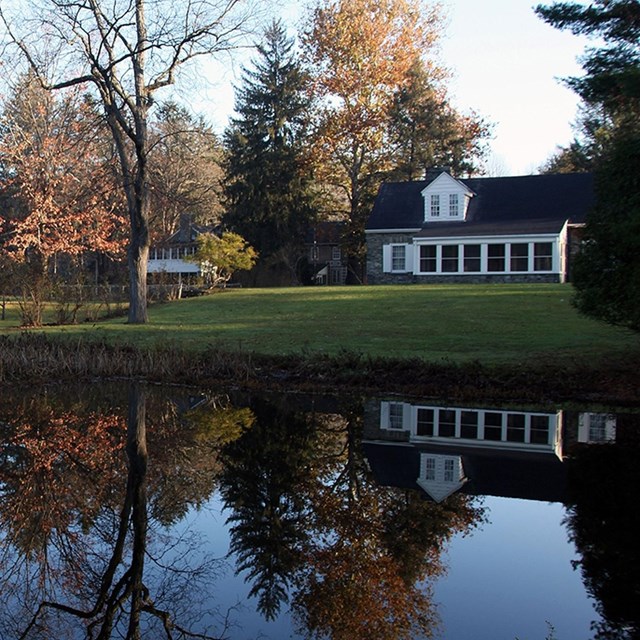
column 126, row 50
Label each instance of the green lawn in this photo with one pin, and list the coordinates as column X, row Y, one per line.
column 491, row 324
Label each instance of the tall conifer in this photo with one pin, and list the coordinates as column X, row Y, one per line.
column 268, row 185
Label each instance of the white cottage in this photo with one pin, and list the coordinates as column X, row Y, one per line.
column 445, row 229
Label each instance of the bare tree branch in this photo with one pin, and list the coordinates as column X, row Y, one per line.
column 127, row 50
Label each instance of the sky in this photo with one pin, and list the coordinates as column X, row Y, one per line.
column 506, row 65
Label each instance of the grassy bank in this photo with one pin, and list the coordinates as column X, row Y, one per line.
column 512, row 324
column 502, row 342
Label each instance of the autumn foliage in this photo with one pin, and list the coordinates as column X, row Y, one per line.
column 54, row 164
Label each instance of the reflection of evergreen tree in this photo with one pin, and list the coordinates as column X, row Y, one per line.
column 260, row 485
column 373, row 550
column 603, row 521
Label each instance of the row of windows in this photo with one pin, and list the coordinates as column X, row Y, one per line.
column 436, row 205
column 506, row 257
column 497, row 426
column 171, row 253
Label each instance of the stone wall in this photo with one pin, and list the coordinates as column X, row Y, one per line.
column 375, row 275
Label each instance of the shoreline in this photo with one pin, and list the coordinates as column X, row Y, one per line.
column 38, row 359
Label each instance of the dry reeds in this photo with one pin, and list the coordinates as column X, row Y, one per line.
column 35, row 358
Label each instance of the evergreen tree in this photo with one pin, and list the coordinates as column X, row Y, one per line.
column 427, row 131
column 607, row 271
column 268, row 187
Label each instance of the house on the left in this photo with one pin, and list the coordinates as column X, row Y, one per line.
column 167, row 258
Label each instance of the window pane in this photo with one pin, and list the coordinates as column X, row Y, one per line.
column 398, row 254
column 492, row 426
column 448, row 470
column 425, row 422
column 539, row 430
column 496, row 254
column 428, row 258
column 515, row 427
column 471, row 257
column 450, row 258
column 469, row 424
column 454, row 204
column 395, row 415
column 542, row 256
column 435, row 206
column 447, row 423
column 520, row 257
column 430, row 469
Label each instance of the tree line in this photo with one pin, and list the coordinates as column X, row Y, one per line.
column 94, row 164
column 607, row 142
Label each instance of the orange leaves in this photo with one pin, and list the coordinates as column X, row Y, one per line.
column 51, row 460
column 365, row 48
column 57, row 175
column 359, row 54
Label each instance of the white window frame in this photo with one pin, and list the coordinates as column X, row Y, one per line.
column 394, row 416
column 387, row 258
column 529, row 431
column 484, row 243
column 454, row 205
column 398, row 257
column 434, row 205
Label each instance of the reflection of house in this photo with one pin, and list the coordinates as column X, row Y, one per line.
column 325, row 254
column 443, row 450
column 443, row 229
column 596, row 428
column 479, row 451
column 168, row 256
column 486, row 428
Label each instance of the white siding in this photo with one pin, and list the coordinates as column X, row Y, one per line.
column 443, row 186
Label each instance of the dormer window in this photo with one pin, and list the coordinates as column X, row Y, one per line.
column 454, row 205
column 446, row 199
column 435, row 206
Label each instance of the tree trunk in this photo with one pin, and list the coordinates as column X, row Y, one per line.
column 138, row 258
column 137, row 489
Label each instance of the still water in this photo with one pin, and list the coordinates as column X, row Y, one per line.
column 171, row 513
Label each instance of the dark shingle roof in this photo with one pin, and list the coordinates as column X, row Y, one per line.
column 522, row 204
column 505, row 473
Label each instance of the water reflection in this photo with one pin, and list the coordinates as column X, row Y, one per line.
column 76, row 534
column 338, row 510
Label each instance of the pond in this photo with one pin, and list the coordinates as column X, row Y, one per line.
column 163, row 512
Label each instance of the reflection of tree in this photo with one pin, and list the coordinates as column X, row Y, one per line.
column 93, row 569
column 371, row 550
column 185, row 475
column 56, row 472
column 263, row 471
column 309, row 524
column 603, row 521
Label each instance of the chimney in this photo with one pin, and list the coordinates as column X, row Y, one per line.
column 432, row 173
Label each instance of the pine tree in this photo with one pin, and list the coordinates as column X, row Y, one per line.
column 607, row 271
column 427, row 131
column 268, row 186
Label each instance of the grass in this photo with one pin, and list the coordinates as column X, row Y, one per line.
column 493, row 324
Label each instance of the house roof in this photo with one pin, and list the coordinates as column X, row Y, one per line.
column 521, row 204
column 501, row 473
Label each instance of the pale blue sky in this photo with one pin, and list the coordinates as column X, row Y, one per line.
column 506, row 64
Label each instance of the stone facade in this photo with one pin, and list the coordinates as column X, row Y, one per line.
column 375, row 273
